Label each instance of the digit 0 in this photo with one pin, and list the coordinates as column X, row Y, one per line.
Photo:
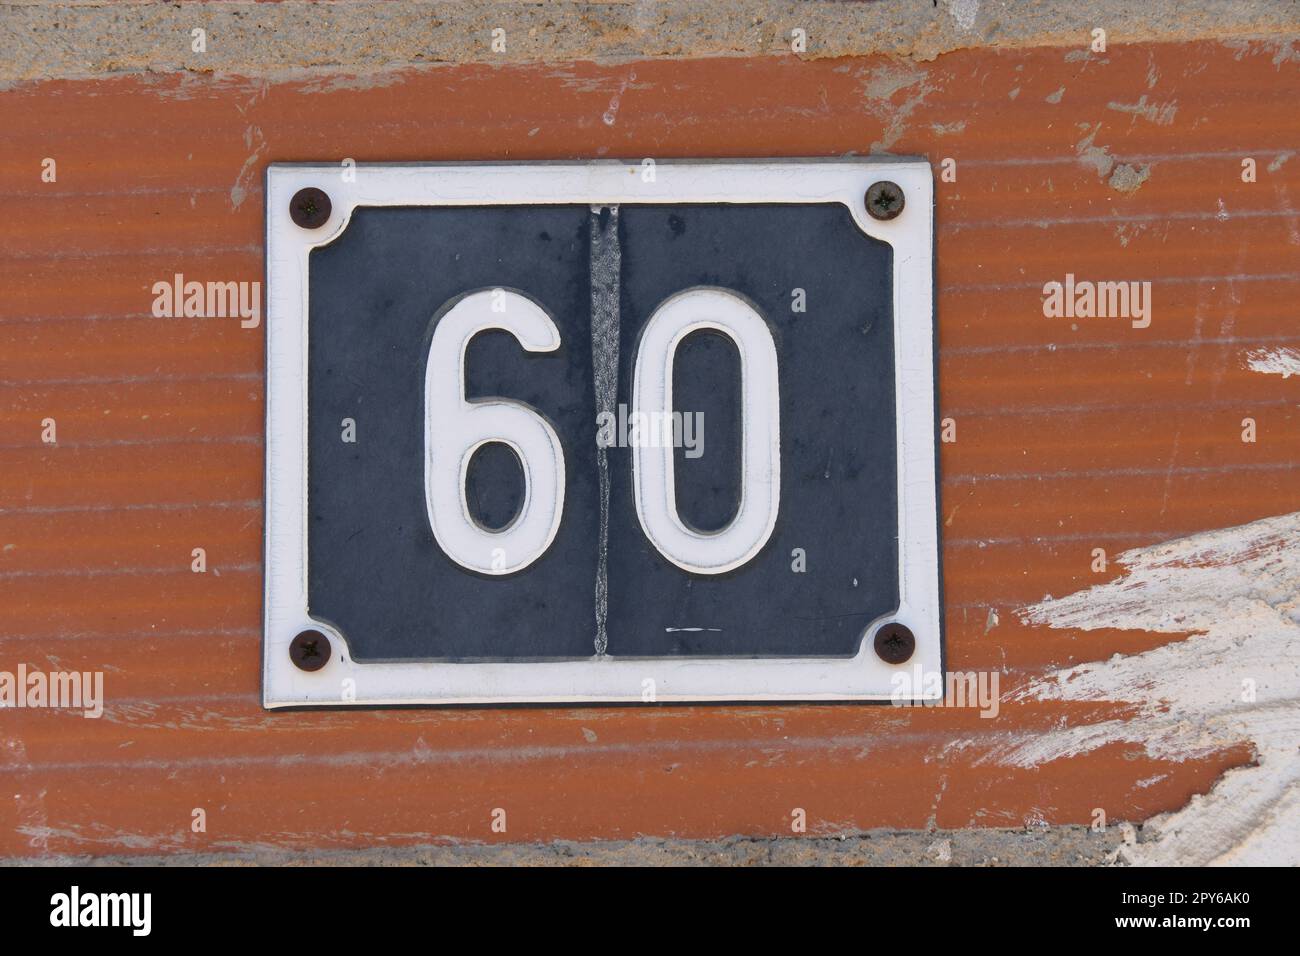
column 724, row 550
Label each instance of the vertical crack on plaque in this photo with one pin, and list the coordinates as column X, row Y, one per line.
column 606, row 261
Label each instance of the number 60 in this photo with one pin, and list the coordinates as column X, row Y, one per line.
column 455, row 428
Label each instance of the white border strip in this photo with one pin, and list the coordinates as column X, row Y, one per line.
column 605, row 679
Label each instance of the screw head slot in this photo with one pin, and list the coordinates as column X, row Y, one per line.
column 310, row 207
column 895, row 643
column 885, row 200
column 310, row 650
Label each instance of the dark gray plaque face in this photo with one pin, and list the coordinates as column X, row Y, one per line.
column 829, row 567
column 601, row 450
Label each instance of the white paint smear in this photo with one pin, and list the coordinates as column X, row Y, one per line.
column 1284, row 362
column 1236, row 594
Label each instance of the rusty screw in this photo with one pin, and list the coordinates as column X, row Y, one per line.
column 310, row 207
column 310, row 650
column 885, row 200
column 895, row 643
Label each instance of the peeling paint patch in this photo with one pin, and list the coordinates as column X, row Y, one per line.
column 1161, row 114
column 880, row 90
column 239, row 191
column 1280, row 361
column 1123, row 177
column 1127, row 179
column 331, row 83
column 946, row 129
column 1286, row 53
column 611, row 114
column 1098, row 157
column 1054, row 98
column 1234, row 678
column 1126, row 232
column 1279, row 161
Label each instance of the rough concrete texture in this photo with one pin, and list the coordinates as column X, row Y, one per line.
column 1057, row 846
column 80, row 38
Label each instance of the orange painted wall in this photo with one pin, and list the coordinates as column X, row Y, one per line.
column 1068, row 439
